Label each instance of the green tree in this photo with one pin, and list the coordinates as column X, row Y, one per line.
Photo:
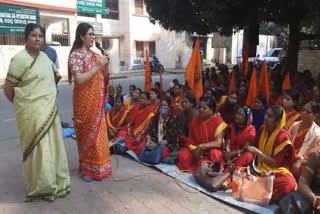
column 224, row 16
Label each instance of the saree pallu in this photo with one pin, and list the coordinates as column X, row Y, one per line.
column 90, row 125
column 116, row 121
column 238, row 141
column 306, row 142
column 278, row 146
column 201, row 132
column 138, row 124
column 291, row 118
column 45, row 164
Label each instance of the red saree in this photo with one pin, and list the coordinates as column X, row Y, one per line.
column 138, row 124
column 90, row 126
column 278, row 146
column 238, row 140
column 201, row 132
column 116, row 121
column 291, row 118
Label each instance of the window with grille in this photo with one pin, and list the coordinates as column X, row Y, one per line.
column 63, row 39
column 138, row 7
column 112, row 10
column 11, row 39
column 152, row 48
column 139, row 49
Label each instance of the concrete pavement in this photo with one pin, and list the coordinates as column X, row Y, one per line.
column 152, row 192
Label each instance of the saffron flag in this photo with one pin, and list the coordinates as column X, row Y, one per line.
column 193, row 71
column 252, row 94
column 232, row 84
column 264, row 82
column 147, row 74
column 286, row 84
column 245, row 60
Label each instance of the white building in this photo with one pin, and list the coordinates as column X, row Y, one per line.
column 125, row 31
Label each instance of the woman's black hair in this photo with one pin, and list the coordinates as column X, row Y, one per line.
column 133, row 86
column 82, row 30
column 156, row 91
column 262, row 100
column 147, row 94
column 211, row 90
column 119, row 97
column 277, row 112
column 294, row 94
column 315, row 107
column 29, row 28
column 190, row 98
column 139, row 89
column 210, row 102
column 167, row 99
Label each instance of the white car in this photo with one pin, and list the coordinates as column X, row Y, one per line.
column 273, row 57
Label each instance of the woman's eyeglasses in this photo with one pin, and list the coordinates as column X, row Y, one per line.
column 90, row 34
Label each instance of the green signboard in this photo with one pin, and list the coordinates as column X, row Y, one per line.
column 92, row 6
column 97, row 27
column 13, row 19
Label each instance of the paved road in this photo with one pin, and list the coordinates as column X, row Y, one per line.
column 151, row 193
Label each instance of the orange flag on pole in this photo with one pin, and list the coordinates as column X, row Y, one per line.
column 245, row 60
column 252, row 89
column 264, row 82
column 147, row 74
column 286, row 84
column 232, row 84
column 193, row 71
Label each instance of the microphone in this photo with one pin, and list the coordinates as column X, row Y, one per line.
column 98, row 45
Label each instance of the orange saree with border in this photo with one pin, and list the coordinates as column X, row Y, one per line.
column 88, row 108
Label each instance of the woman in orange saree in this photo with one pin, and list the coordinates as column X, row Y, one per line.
column 275, row 153
column 290, row 101
column 90, row 73
column 116, row 118
column 205, row 140
column 139, row 124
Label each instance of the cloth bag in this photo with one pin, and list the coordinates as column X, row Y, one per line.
column 250, row 188
column 210, row 176
column 152, row 156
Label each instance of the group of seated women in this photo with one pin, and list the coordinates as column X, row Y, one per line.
column 277, row 139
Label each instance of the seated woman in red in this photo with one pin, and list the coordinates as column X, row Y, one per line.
column 205, row 138
column 290, row 101
column 275, row 153
column 238, row 135
column 116, row 118
column 228, row 108
column 155, row 99
column 139, row 124
column 134, row 104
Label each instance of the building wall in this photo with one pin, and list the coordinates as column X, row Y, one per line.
column 172, row 50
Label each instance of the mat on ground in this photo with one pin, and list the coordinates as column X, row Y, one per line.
column 188, row 179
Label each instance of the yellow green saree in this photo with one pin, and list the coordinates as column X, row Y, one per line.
column 45, row 163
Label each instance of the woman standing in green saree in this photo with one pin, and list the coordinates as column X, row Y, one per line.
column 30, row 86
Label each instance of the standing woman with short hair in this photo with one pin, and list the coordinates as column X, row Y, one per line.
column 30, row 85
column 91, row 73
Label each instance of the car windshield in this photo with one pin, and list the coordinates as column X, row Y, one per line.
column 273, row 53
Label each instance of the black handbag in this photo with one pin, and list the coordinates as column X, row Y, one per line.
column 210, row 176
